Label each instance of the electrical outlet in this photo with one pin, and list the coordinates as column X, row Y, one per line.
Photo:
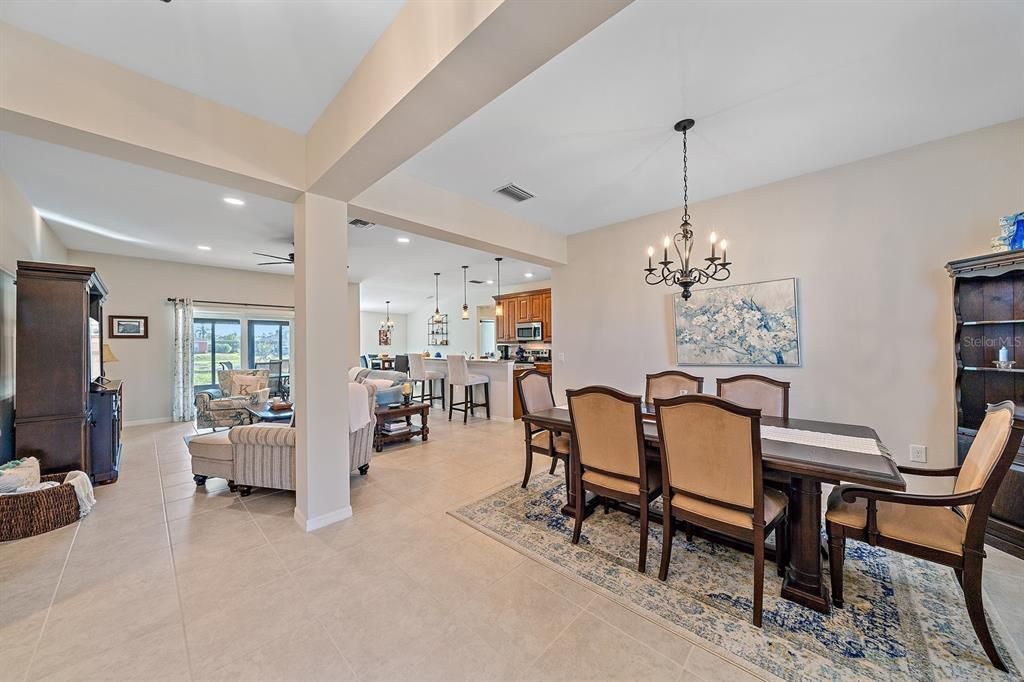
column 919, row 453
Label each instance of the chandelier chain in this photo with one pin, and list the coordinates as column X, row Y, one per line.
column 686, row 184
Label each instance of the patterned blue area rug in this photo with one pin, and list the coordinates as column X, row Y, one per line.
column 904, row 619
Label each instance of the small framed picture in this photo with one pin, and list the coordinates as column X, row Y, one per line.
column 128, row 327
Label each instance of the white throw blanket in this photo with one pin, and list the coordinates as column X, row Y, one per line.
column 83, row 489
column 358, row 407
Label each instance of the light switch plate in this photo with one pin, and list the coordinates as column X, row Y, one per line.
column 561, row 358
column 919, row 453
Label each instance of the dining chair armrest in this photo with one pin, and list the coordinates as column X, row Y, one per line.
column 874, row 495
column 917, row 471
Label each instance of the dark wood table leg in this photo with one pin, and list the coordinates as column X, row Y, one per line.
column 423, row 425
column 804, row 583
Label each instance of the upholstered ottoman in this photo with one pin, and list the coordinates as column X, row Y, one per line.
column 212, row 455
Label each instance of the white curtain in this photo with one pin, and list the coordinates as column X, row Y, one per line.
column 182, row 403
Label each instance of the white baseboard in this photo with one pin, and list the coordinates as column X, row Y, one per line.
column 143, row 422
column 322, row 520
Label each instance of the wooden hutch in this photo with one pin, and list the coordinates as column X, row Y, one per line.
column 65, row 413
column 988, row 304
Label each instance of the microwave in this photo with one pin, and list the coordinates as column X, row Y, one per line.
column 529, row 331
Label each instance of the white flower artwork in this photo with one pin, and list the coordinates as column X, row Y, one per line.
column 742, row 324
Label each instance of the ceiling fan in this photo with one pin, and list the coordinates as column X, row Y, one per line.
column 279, row 260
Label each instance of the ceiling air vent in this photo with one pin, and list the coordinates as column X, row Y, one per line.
column 476, row 281
column 514, row 192
column 360, row 224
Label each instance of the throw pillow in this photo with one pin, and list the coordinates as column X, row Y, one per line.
column 23, row 473
column 380, row 383
column 247, row 385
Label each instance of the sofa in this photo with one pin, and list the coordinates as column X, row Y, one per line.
column 218, row 408
column 263, row 455
column 387, row 382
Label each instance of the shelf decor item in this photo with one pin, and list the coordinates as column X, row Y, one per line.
column 128, row 327
column 686, row 276
column 1011, row 233
column 437, row 331
column 743, row 324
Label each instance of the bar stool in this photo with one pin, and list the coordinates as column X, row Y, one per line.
column 458, row 375
column 418, row 372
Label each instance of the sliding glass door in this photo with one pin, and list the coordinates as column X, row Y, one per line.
column 217, row 344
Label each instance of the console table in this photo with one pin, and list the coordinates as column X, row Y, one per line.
column 383, row 414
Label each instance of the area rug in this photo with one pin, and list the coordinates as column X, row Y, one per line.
column 904, row 619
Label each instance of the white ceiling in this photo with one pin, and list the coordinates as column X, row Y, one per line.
column 778, row 89
column 404, row 273
column 95, row 203
column 279, row 60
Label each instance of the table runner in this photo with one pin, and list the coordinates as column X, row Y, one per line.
column 833, row 441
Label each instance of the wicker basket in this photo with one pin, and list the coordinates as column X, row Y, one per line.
column 23, row 516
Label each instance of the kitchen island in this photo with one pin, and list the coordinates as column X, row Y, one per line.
column 500, row 374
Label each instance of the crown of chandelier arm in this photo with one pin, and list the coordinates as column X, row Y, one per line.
column 686, row 275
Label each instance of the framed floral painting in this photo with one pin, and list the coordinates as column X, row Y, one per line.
column 742, row 324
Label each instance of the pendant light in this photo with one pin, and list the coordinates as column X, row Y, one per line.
column 388, row 323
column 686, row 276
column 465, row 293
column 437, row 301
column 498, row 308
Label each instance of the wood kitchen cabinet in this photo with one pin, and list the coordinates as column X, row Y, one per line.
column 528, row 306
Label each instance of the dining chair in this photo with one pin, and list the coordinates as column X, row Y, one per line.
column 273, row 368
column 402, row 363
column 712, row 473
column 418, row 373
column 670, row 383
column 535, row 395
column 458, row 375
column 363, row 362
column 608, row 458
column 752, row 390
column 943, row 529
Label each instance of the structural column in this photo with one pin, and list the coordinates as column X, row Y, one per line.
column 319, row 374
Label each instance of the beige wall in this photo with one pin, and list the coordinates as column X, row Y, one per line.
column 868, row 243
column 354, row 326
column 23, row 234
column 370, row 325
column 139, row 286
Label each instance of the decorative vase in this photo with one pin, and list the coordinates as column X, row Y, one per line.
column 1011, row 233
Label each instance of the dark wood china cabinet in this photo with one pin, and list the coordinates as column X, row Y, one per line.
column 988, row 304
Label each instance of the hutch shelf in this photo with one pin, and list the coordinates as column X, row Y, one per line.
column 437, row 332
column 988, row 305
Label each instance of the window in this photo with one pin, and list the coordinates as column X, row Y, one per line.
column 214, row 342
column 269, row 340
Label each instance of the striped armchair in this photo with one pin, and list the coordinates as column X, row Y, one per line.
column 264, row 454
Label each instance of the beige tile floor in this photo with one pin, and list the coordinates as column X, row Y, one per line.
column 167, row 581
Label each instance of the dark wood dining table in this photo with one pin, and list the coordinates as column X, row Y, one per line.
column 802, row 468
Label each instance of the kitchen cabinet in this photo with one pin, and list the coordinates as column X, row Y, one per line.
column 528, row 306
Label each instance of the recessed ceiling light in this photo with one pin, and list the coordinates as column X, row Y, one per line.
column 203, row 247
column 402, row 240
column 490, row 281
column 234, row 201
column 528, row 274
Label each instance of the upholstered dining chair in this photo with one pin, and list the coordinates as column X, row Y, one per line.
column 671, row 383
column 402, row 363
column 419, row 373
column 535, row 395
column 944, row 529
column 608, row 455
column 711, row 468
column 752, row 390
column 458, row 375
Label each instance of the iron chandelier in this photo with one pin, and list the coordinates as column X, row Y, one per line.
column 686, row 276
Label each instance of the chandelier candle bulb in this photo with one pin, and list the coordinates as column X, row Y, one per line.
column 650, row 255
column 725, row 245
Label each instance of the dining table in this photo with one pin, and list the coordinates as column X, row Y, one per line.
column 824, row 453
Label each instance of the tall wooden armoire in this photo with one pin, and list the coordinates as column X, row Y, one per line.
column 59, row 332
column 988, row 304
